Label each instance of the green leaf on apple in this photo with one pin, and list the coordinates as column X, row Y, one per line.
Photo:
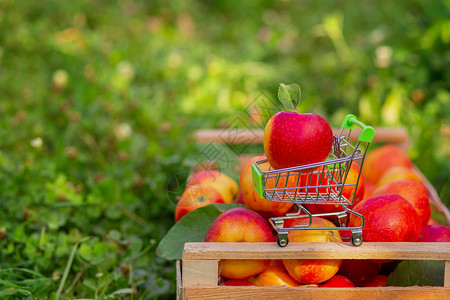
column 289, row 95
column 191, row 228
column 417, row 272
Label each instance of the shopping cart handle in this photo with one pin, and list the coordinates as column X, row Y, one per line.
column 367, row 133
column 257, row 177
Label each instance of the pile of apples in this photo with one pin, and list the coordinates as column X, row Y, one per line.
column 390, row 194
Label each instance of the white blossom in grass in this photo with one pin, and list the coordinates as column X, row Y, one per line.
column 383, row 56
column 36, row 143
column 125, row 69
column 60, row 78
column 123, row 131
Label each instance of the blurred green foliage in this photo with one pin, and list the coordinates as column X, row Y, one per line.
column 98, row 100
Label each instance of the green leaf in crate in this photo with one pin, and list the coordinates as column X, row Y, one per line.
column 191, row 228
column 417, row 272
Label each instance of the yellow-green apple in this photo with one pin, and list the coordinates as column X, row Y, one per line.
column 251, row 199
column 194, row 197
column 223, row 183
column 412, row 191
column 293, row 139
column 240, row 225
column 237, row 282
column 379, row 280
column 383, row 158
column 388, row 218
column 398, row 173
column 348, row 191
column 337, row 281
column 274, row 275
column 313, row 271
column 435, row 233
column 360, row 271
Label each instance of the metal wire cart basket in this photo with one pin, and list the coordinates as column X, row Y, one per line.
column 319, row 183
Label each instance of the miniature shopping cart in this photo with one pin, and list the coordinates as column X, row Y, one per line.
column 319, row 183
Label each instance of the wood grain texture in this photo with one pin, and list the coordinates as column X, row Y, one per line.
column 180, row 295
column 398, row 136
column 285, row 293
column 368, row 250
column 447, row 274
column 200, row 272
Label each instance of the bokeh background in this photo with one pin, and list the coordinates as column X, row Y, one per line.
column 99, row 101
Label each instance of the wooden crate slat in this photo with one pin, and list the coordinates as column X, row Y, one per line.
column 200, row 272
column 447, row 273
column 397, row 135
column 228, row 292
column 368, row 250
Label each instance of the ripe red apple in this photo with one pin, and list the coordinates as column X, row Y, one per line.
column 379, row 280
column 383, row 158
column 337, row 281
column 293, row 139
column 348, row 191
column 360, row 271
column 313, row 271
column 194, row 197
column 388, row 218
column 368, row 189
column 274, row 275
column 398, row 173
column 237, row 282
column 412, row 191
column 223, row 183
column 240, row 225
column 435, row 233
column 239, row 199
column 251, row 199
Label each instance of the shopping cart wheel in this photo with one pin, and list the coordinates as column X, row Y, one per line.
column 357, row 237
column 282, row 240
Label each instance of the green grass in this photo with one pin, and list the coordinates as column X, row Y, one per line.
column 99, row 99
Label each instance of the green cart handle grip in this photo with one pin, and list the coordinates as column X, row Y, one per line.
column 257, row 177
column 367, row 133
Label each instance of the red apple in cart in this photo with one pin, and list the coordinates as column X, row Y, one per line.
column 240, row 225
column 435, row 233
column 293, row 139
column 337, row 281
column 194, row 197
column 348, row 190
column 260, row 204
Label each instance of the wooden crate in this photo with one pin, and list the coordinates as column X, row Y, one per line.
column 198, row 273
